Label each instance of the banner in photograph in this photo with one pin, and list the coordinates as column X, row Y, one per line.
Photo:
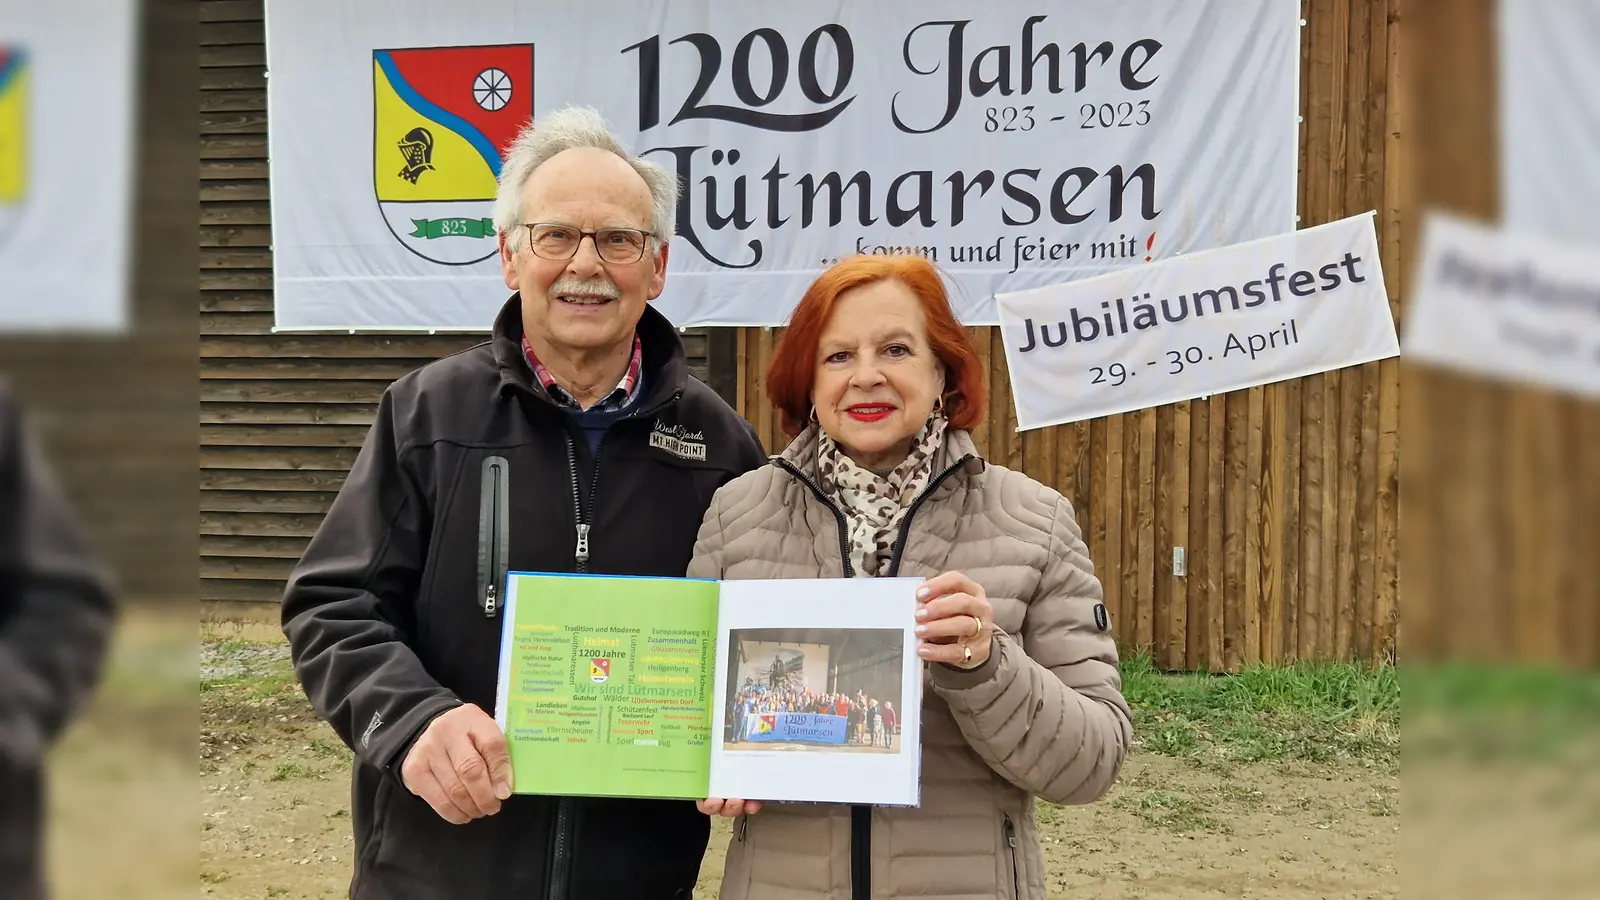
column 1505, row 305
column 1221, row 320
column 1017, row 143
column 808, row 727
column 1549, row 111
column 67, row 82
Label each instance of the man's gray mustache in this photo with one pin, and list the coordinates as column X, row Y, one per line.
column 592, row 287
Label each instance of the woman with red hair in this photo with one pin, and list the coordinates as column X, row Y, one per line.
column 880, row 386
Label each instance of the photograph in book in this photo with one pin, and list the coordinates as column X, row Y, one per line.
column 816, row 690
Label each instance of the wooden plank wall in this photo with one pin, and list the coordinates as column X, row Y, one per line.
column 1284, row 496
column 1502, row 483
column 281, row 416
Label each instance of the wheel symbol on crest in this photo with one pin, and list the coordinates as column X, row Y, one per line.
column 492, row 89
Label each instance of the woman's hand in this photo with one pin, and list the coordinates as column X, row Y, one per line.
column 717, row 806
column 953, row 618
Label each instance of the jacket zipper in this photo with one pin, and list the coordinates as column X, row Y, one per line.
column 1011, row 842
column 493, row 548
column 860, row 852
column 844, row 527
column 580, row 553
column 905, row 523
column 561, row 851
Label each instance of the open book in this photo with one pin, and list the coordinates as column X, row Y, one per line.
column 804, row 690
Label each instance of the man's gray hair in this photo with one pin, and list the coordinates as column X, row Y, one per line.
column 565, row 129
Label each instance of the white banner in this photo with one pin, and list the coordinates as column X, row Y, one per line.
column 1506, row 305
column 1221, row 320
column 1018, row 143
column 1549, row 104
column 67, row 80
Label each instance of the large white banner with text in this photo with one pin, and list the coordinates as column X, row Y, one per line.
column 1549, row 105
column 1235, row 317
column 68, row 77
column 1018, row 143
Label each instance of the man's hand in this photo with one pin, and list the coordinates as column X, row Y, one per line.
column 460, row 765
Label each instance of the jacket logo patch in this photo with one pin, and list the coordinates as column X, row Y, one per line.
column 1102, row 620
column 366, row 736
column 678, row 441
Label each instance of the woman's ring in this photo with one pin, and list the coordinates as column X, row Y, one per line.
column 977, row 626
column 966, row 653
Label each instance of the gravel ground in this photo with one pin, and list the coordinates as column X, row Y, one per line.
column 230, row 659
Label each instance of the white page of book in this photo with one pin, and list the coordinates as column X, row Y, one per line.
column 788, row 652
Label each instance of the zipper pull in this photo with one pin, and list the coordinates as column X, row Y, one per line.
column 1011, row 834
column 744, row 824
column 489, row 604
column 583, row 544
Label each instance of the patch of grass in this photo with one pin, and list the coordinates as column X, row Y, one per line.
column 1311, row 712
column 1485, row 713
column 1171, row 811
column 1241, row 795
column 213, row 877
column 279, row 679
column 328, row 749
column 287, row 771
column 246, row 690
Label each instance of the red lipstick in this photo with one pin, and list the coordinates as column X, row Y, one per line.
column 869, row 412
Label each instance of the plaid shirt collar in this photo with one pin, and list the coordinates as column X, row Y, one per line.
column 626, row 391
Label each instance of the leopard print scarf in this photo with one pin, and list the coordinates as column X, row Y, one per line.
column 874, row 504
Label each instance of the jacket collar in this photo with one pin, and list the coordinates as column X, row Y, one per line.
column 666, row 362
column 958, row 445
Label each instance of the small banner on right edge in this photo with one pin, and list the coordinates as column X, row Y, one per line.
column 1502, row 304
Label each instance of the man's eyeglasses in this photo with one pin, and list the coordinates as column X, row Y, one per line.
column 560, row 242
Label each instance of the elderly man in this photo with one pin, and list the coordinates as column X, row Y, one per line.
column 574, row 440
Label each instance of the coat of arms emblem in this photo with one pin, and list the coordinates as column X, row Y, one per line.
column 442, row 119
column 14, row 136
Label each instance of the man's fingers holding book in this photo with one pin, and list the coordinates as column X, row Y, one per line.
column 460, row 765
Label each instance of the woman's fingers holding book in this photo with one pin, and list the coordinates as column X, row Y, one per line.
column 719, row 806
column 954, row 621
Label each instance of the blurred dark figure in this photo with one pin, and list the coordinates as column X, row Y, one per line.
column 56, row 618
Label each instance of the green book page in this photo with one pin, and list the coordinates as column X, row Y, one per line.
column 605, row 684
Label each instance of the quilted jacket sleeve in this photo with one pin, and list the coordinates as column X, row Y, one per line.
column 1046, row 710
column 709, row 543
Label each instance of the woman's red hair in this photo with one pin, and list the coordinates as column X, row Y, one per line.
column 794, row 361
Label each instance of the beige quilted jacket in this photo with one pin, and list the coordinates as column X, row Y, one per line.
column 1044, row 717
